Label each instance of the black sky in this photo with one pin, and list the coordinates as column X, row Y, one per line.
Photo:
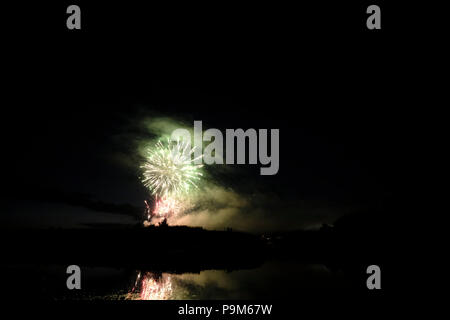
column 332, row 91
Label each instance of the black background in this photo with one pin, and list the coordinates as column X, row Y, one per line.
column 310, row 65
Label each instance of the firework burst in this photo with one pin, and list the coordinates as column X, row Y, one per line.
column 170, row 173
column 170, row 170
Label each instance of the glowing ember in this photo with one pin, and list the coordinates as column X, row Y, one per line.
column 166, row 206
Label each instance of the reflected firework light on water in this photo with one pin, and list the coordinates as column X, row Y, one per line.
column 151, row 286
column 170, row 174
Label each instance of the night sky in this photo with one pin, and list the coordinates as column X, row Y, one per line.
column 78, row 104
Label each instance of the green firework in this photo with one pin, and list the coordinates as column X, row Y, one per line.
column 170, row 169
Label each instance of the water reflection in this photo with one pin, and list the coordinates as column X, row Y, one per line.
column 152, row 286
column 271, row 280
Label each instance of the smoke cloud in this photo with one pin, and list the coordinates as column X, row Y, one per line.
column 219, row 207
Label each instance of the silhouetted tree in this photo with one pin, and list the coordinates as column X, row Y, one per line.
column 164, row 224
